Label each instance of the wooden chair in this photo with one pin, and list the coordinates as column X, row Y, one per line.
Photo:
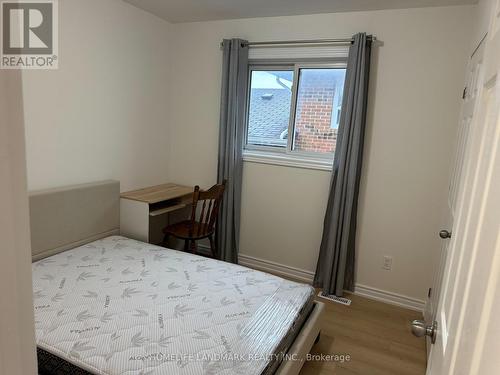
column 202, row 226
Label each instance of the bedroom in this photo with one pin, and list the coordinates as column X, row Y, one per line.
column 136, row 98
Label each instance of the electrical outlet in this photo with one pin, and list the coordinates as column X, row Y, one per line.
column 387, row 265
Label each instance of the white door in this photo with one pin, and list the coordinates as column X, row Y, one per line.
column 465, row 324
column 470, row 96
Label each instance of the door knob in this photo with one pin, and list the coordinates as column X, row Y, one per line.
column 444, row 234
column 420, row 329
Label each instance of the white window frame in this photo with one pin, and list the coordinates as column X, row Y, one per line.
column 286, row 156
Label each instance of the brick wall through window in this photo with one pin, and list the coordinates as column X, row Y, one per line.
column 316, row 100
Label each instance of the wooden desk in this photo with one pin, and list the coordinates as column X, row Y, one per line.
column 145, row 212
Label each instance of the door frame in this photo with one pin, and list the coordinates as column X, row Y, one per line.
column 17, row 339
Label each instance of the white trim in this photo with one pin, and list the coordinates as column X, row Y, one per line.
column 389, row 297
column 286, row 160
column 308, row 276
column 298, row 52
column 276, row 268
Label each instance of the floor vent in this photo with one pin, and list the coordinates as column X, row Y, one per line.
column 331, row 297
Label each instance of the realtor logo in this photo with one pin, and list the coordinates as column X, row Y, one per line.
column 29, row 34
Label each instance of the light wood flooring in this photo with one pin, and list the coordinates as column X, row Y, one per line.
column 376, row 336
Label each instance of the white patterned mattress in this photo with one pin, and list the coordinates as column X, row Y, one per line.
column 119, row 306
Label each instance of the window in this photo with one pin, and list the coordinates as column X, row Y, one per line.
column 294, row 110
column 269, row 108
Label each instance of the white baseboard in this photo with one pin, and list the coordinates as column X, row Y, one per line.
column 276, row 268
column 308, row 276
column 389, row 297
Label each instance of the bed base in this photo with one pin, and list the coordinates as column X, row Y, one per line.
column 303, row 343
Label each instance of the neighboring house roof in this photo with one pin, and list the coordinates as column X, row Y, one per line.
column 269, row 79
column 269, row 115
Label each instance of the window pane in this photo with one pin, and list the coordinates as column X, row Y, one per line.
column 317, row 114
column 269, row 111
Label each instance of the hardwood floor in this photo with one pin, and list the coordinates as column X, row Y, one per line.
column 375, row 335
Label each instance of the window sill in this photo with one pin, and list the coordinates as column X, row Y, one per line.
column 287, row 160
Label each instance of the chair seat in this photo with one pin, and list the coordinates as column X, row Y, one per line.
column 183, row 230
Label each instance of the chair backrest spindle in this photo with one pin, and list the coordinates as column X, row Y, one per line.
column 208, row 214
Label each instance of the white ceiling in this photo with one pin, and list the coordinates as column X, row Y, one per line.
column 176, row 11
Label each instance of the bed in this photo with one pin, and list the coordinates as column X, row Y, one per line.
column 106, row 304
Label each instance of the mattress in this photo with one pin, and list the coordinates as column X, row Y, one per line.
column 119, row 306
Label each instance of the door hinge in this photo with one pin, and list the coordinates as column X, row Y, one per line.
column 429, row 293
column 464, row 93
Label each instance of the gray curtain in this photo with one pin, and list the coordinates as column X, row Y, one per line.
column 231, row 135
column 335, row 268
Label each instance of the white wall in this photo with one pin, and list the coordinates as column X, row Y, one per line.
column 103, row 114
column 137, row 99
column 17, row 338
column 483, row 16
column 416, row 84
